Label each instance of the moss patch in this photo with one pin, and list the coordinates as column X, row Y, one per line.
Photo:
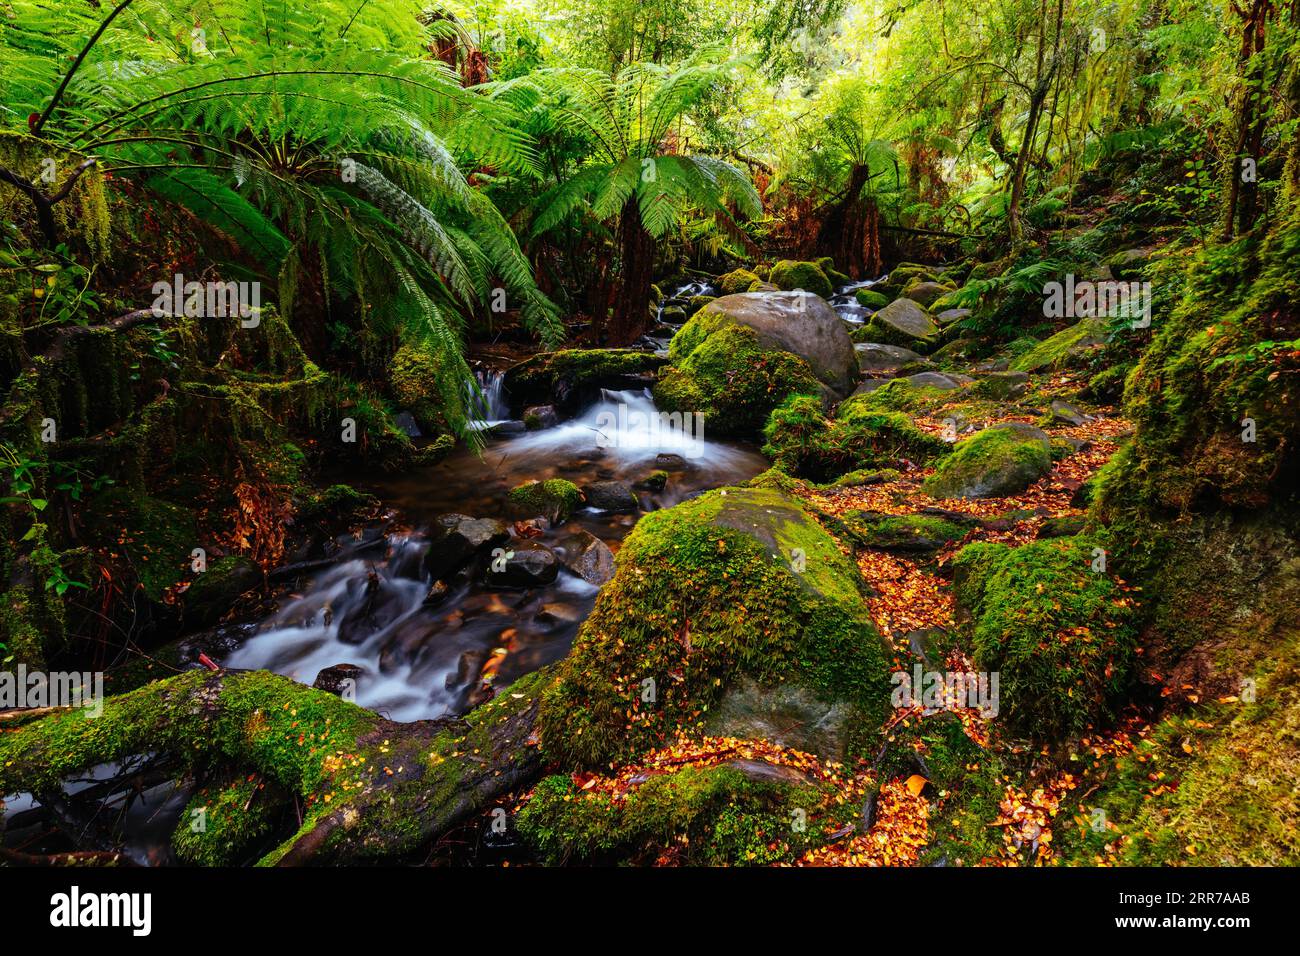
column 1061, row 635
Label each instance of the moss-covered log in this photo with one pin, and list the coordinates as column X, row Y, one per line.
column 371, row 787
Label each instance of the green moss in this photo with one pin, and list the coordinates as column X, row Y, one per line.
column 156, row 536
column 900, row 395
column 21, row 640
column 992, row 462
column 421, row 383
column 338, row 502
column 705, row 592
column 698, row 302
column 871, row 298
column 705, row 816
column 1061, row 350
column 790, row 274
column 1212, row 786
column 801, row 440
column 554, row 499
column 721, row 371
column 1221, row 356
column 224, row 823
column 903, row 532
column 738, row 281
column 1061, row 635
column 970, row 781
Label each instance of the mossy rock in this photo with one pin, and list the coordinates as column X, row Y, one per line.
column 724, row 815
column 697, row 302
column 790, row 275
column 740, row 356
column 554, row 499
column 1061, row 636
column 924, row 293
column 904, row 273
column 738, row 281
column 903, row 395
column 420, row 382
column 992, row 463
column 1066, row 349
column 740, row 582
column 902, row 322
column 871, row 299
column 905, row 534
column 801, row 440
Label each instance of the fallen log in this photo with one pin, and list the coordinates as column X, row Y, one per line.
column 372, row 788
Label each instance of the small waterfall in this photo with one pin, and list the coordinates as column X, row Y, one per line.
column 845, row 302
column 486, row 398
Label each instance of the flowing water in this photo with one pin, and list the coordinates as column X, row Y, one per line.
column 420, row 661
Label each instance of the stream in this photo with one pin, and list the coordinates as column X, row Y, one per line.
column 419, row 661
column 424, row 662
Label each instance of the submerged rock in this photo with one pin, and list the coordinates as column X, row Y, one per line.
column 615, row 496
column 457, row 539
column 525, row 564
column 588, row 557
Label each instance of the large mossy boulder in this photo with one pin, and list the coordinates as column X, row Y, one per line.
column 1058, row 629
column 570, row 378
column 902, row 322
column 790, row 275
column 993, row 463
column 741, row 355
column 740, row 582
column 803, row 441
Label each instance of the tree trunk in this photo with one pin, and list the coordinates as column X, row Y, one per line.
column 373, row 788
column 632, row 305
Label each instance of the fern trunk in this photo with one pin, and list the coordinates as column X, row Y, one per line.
column 631, row 316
